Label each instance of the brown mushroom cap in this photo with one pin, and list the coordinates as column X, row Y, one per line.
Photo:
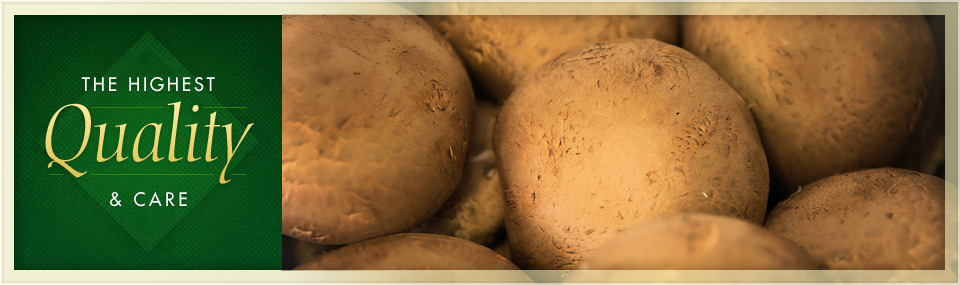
column 699, row 242
column 296, row 251
column 475, row 210
column 830, row 94
column 376, row 119
column 619, row 132
column 883, row 218
column 501, row 50
column 503, row 247
column 411, row 252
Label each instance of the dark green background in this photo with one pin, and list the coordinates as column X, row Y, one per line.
column 62, row 222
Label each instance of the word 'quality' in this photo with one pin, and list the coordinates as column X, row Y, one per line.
column 154, row 154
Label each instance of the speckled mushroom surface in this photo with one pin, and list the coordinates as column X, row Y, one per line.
column 830, row 94
column 699, row 242
column 376, row 120
column 296, row 251
column 475, row 210
column 616, row 133
column 884, row 218
column 501, row 50
column 411, row 252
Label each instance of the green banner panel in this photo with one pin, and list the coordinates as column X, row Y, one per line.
column 147, row 142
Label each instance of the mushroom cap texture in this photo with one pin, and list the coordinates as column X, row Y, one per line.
column 830, row 94
column 699, row 242
column 501, row 50
column 376, row 121
column 883, row 218
column 410, row 251
column 475, row 210
column 615, row 133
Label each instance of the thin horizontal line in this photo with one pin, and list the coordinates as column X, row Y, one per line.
column 126, row 107
column 152, row 174
column 224, row 107
column 148, row 174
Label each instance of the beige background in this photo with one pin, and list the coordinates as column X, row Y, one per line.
column 947, row 9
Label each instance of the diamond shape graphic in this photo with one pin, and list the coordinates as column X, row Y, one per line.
column 149, row 224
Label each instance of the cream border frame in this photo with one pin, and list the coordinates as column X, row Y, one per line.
column 948, row 9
